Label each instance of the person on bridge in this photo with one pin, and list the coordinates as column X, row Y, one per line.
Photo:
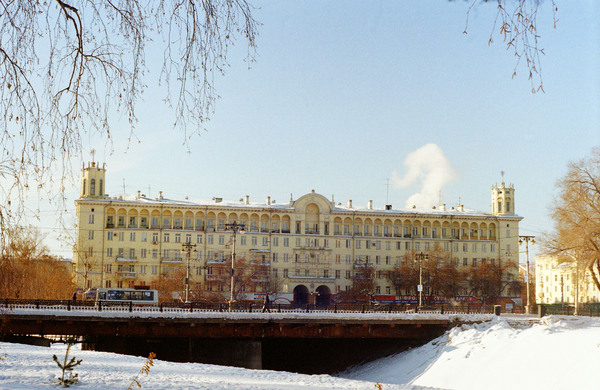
column 266, row 303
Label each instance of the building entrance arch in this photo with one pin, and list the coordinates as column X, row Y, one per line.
column 323, row 296
column 301, row 295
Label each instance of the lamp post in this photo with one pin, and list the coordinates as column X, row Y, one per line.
column 421, row 256
column 526, row 239
column 234, row 227
column 187, row 249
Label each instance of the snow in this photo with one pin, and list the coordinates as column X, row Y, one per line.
column 558, row 353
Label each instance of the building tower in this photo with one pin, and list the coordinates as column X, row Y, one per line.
column 503, row 199
column 92, row 180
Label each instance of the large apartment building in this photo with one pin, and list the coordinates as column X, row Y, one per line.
column 311, row 243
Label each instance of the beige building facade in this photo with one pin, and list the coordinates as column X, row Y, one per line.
column 559, row 280
column 310, row 243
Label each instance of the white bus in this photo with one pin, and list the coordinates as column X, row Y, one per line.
column 148, row 297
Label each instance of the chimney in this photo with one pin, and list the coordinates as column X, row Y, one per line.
column 370, row 205
column 160, row 197
column 268, row 200
column 247, row 199
column 460, row 207
column 350, row 203
column 388, row 206
column 442, row 207
column 139, row 193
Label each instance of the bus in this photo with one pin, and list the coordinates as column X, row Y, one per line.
column 148, row 297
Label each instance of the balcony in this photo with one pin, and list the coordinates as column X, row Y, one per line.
column 122, row 259
column 171, row 261
column 126, row 274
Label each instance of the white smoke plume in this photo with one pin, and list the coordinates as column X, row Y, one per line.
column 431, row 167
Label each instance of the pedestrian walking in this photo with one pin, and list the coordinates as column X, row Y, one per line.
column 266, row 303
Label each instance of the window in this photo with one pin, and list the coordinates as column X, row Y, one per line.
column 154, row 270
column 154, row 253
column 254, row 240
column 275, row 241
column 338, row 259
column 178, row 238
column 348, row 275
column 337, row 273
column 91, row 219
column 199, row 239
column 109, row 236
column 132, row 253
column 166, row 237
column 143, row 269
column 286, row 257
column 265, row 241
column 188, row 238
column 121, row 236
column 143, row 253
column 221, row 240
column 274, row 257
column 465, row 261
column 285, row 272
column 132, row 236
column 107, row 283
column 90, row 235
column 465, row 248
column 243, row 240
column 474, row 247
column 209, row 240
column 93, row 187
column 109, row 252
column 144, row 237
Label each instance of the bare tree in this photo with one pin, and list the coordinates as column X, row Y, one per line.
column 576, row 215
column 28, row 271
column 68, row 66
column 516, row 23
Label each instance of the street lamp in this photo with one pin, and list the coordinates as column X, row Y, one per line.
column 421, row 256
column 234, row 227
column 187, row 249
column 526, row 240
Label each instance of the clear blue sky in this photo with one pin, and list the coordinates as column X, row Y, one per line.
column 341, row 92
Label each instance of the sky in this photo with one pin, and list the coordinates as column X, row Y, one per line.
column 341, row 95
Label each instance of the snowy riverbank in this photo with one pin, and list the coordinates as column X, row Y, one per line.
column 560, row 353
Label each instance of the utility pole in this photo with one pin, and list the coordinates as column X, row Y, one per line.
column 420, row 257
column 187, row 249
column 234, row 227
column 526, row 240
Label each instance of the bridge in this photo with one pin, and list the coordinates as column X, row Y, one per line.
column 306, row 340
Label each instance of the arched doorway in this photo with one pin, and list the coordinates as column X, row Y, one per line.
column 323, row 296
column 300, row 295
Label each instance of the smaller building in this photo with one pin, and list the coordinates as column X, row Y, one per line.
column 560, row 280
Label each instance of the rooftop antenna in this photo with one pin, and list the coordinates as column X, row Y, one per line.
column 387, row 194
column 93, row 152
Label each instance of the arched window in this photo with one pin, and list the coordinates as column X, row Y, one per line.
column 84, row 186
column 93, row 187
column 100, row 188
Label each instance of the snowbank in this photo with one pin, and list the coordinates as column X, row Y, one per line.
column 559, row 353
